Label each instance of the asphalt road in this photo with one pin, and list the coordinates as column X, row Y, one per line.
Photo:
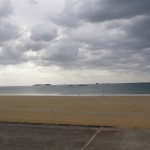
column 52, row 137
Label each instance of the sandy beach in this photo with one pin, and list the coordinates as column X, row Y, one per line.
column 118, row 111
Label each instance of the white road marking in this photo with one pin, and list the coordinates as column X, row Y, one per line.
column 91, row 139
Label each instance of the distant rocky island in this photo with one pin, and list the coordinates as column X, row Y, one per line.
column 82, row 85
column 41, row 84
column 68, row 84
column 77, row 85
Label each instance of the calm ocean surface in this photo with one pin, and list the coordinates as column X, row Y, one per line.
column 82, row 90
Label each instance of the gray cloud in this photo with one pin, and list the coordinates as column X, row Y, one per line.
column 14, row 47
column 113, row 42
column 68, row 17
column 5, row 8
column 8, row 31
column 105, row 10
column 139, row 28
column 98, row 34
column 34, row 2
column 75, row 11
column 11, row 54
column 30, row 44
column 43, row 33
column 63, row 53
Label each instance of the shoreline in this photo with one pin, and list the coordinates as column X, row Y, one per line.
column 117, row 111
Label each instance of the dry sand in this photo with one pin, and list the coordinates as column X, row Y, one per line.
column 120, row 111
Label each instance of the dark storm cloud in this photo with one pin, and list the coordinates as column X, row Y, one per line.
column 75, row 12
column 43, row 33
column 103, row 10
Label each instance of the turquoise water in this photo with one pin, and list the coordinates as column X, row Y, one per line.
column 91, row 89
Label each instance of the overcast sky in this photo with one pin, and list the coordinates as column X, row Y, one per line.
column 74, row 41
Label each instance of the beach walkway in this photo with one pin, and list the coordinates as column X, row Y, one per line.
column 53, row 137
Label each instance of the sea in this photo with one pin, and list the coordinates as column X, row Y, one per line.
column 113, row 89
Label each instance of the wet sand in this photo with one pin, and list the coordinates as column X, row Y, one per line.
column 120, row 111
